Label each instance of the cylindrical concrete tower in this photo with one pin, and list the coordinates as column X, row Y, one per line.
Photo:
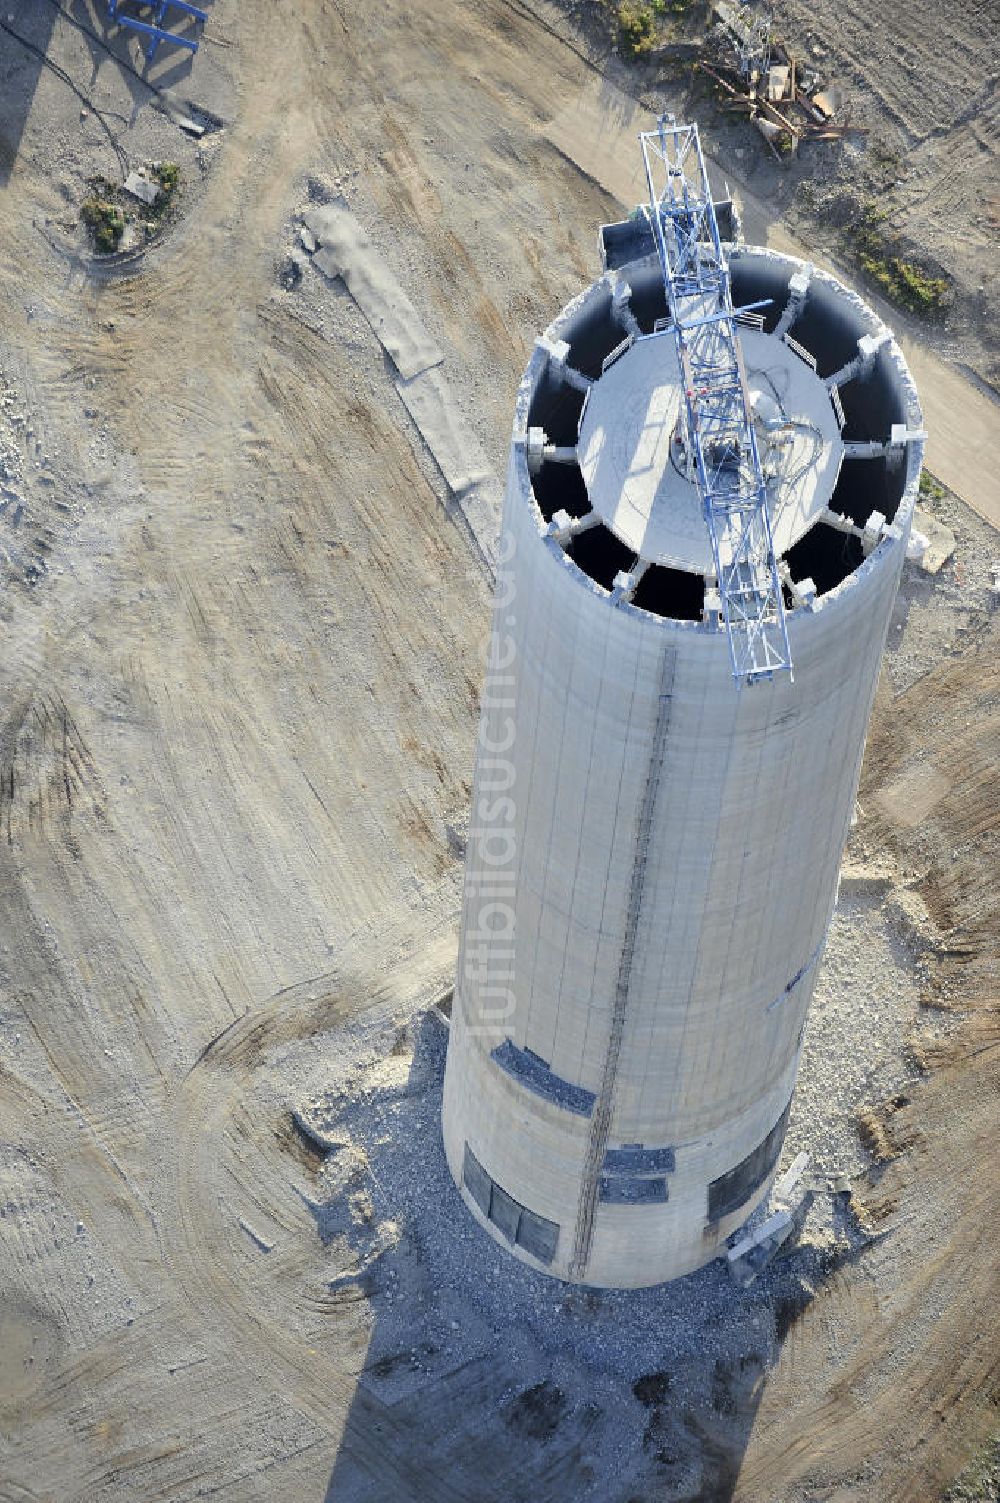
column 654, row 850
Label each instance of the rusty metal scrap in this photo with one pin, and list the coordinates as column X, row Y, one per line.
column 786, row 102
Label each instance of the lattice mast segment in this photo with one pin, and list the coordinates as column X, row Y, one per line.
column 721, row 443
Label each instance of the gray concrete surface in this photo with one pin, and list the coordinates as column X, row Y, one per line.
column 653, row 853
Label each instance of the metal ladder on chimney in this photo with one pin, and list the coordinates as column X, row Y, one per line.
column 600, row 1126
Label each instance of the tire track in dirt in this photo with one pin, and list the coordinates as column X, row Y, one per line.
column 225, row 1139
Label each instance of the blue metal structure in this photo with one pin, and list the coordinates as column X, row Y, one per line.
column 154, row 29
column 721, row 445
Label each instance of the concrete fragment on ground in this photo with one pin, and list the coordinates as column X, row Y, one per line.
column 255, row 1237
column 778, row 82
column 140, row 187
column 347, row 251
column 482, row 507
column 751, row 1255
column 940, row 541
column 458, row 454
column 911, row 796
column 829, row 100
column 785, row 1187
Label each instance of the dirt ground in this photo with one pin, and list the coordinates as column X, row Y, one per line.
column 243, row 628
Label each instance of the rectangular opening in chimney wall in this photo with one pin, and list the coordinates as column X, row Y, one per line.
column 632, row 1189
column 734, row 1188
column 535, row 1234
column 560, row 487
column 531, row 1071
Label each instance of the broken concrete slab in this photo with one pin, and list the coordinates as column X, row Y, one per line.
column 751, row 1254
column 482, row 508
column 911, row 796
column 140, row 187
column 256, row 1238
column 458, row 454
column 767, row 128
column 940, row 541
column 328, row 262
column 347, row 251
column 778, row 82
column 784, row 1189
column 829, row 100
column 430, row 403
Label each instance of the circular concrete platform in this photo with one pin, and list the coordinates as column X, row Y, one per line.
column 633, row 461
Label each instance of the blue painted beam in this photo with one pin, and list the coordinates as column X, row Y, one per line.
column 154, row 30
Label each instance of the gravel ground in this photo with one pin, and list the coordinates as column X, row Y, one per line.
column 944, row 614
column 441, row 1293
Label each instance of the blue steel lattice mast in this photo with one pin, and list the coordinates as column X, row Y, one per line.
column 721, row 443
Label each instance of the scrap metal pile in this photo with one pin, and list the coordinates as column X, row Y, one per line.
column 782, row 94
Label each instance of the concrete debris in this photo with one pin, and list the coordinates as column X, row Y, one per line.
column 767, row 128
column 829, row 101
column 385, row 1239
column 290, row 270
column 342, row 248
column 328, row 262
column 786, row 1185
column 429, row 401
column 939, row 541
column 777, row 1225
column 305, row 1125
column 747, row 1260
column 142, row 188
column 348, row 252
column 777, row 82
column 916, row 547
column 437, row 1287
column 255, row 1236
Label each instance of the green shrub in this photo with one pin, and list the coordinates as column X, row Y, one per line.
column 168, row 175
column 930, row 489
column 905, row 283
column 636, row 28
column 901, row 280
column 914, row 288
column 105, row 221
